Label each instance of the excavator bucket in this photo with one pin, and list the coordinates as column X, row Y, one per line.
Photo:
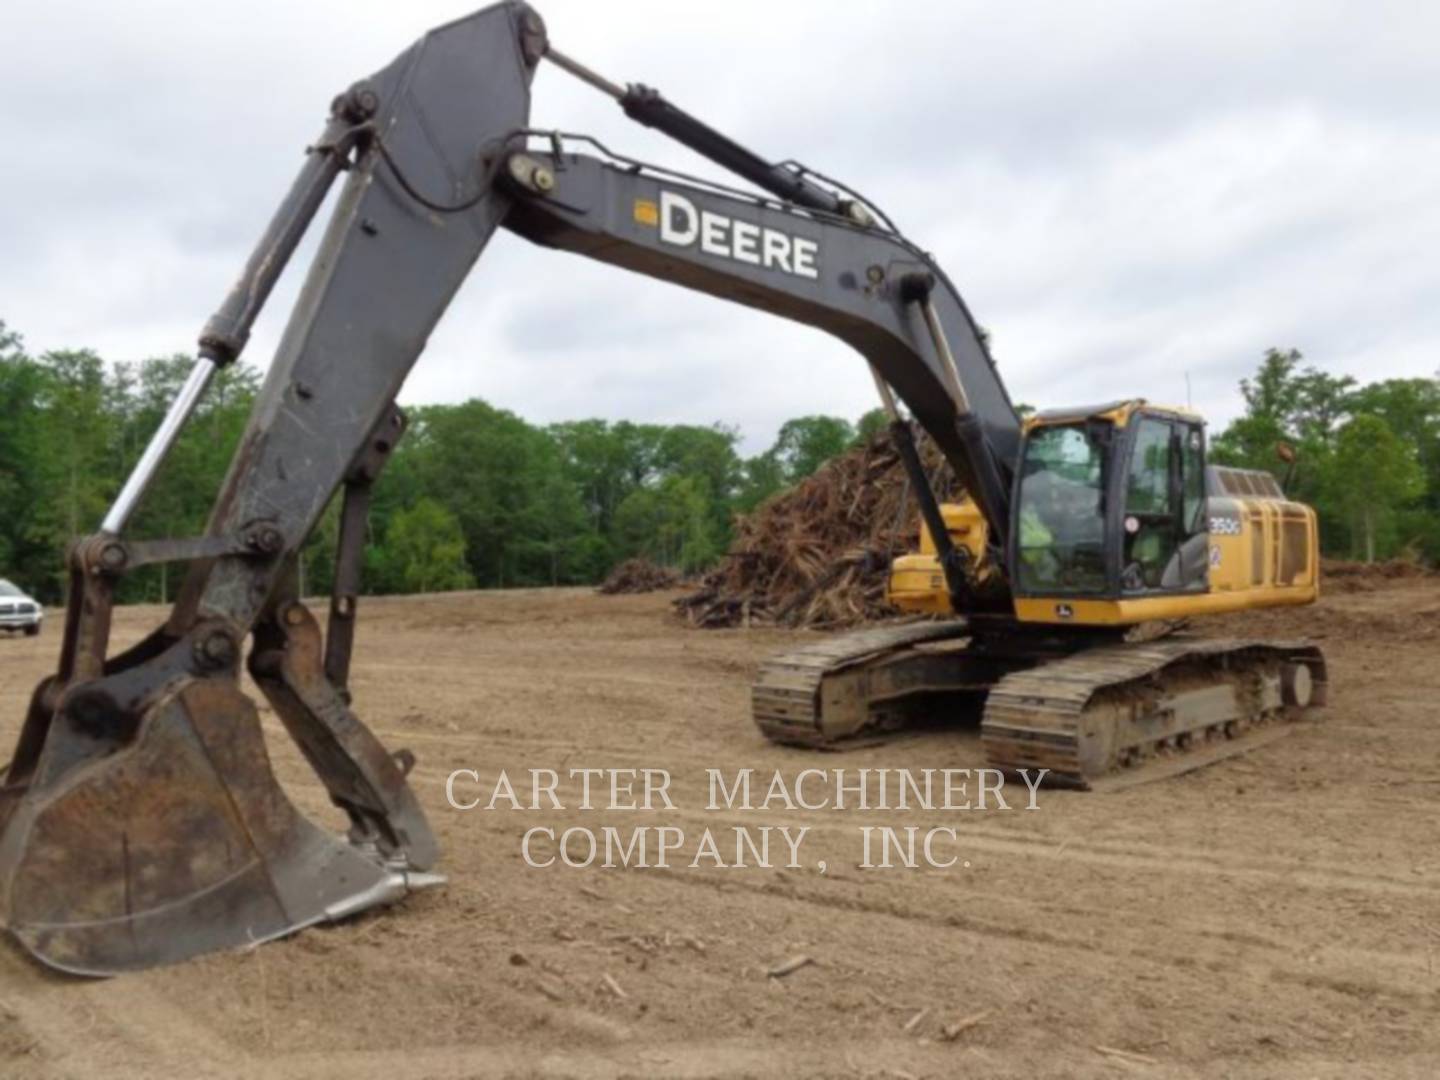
column 130, row 842
column 179, row 843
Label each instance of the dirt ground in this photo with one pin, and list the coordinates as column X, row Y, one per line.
column 1273, row 915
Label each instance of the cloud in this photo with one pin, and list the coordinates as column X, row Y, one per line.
column 1135, row 198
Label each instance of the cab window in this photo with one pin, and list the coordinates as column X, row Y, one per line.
column 1149, row 487
column 1192, row 479
column 1163, row 542
column 1061, row 537
column 1149, row 523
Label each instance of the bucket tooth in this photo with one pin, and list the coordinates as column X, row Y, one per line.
column 175, row 842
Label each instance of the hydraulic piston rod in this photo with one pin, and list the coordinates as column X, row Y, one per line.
column 947, row 358
column 160, row 444
column 991, row 492
column 229, row 328
column 649, row 107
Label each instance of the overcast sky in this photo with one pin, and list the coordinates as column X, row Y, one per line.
column 1125, row 192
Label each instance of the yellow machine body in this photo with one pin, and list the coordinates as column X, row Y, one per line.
column 1260, row 549
column 917, row 583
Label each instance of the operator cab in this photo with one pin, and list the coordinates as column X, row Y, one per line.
column 1110, row 504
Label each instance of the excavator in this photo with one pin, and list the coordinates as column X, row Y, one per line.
column 141, row 822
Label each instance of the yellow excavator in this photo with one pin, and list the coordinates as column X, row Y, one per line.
column 1076, row 662
column 140, row 820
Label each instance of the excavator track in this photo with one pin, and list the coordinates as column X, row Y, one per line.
column 823, row 695
column 1124, row 714
column 861, row 688
column 1095, row 716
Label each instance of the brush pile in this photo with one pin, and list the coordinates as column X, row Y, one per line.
column 638, row 576
column 817, row 555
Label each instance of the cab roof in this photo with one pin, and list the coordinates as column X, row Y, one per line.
column 1117, row 412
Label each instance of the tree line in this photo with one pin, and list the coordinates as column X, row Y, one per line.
column 1367, row 456
column 475, row 496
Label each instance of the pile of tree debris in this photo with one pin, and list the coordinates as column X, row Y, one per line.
column 817, row 555
column 639, row 576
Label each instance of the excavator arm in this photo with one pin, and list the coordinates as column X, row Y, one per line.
column 140, row 820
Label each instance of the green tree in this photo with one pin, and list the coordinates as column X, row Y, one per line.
column 1411, row 409
column 75, row 463
column 1249, row 443
column 1271, row 391
column 180, row 500
column 763, row 477
column 1312, row 410
column 558, row 536
column 503, row 479
column 871, row 424
column 1270, row 401
column 12, row 345
column 706, row 455
column 21, row 437
column 704, row 452
column 807, row 442
column 1373, row 476
column 606, row 462
column 670, row 523
column 1319, row 404
column 424, row 550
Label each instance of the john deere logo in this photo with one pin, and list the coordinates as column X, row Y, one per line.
column 684, row 224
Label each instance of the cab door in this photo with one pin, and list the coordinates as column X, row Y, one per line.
column 1164, row 543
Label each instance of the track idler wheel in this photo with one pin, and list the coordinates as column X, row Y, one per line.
column 1297, row 685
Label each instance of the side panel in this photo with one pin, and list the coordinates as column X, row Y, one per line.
column 1233, row 535
column 1260, row 543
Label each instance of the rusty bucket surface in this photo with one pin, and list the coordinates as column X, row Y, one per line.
column 139, row 829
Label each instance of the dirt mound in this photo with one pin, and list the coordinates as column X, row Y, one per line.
column 638, row 576
column 817, row 554
column 1343, row 576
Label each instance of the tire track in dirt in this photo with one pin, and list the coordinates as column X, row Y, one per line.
column 1422, row 992
column 706, row 1058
